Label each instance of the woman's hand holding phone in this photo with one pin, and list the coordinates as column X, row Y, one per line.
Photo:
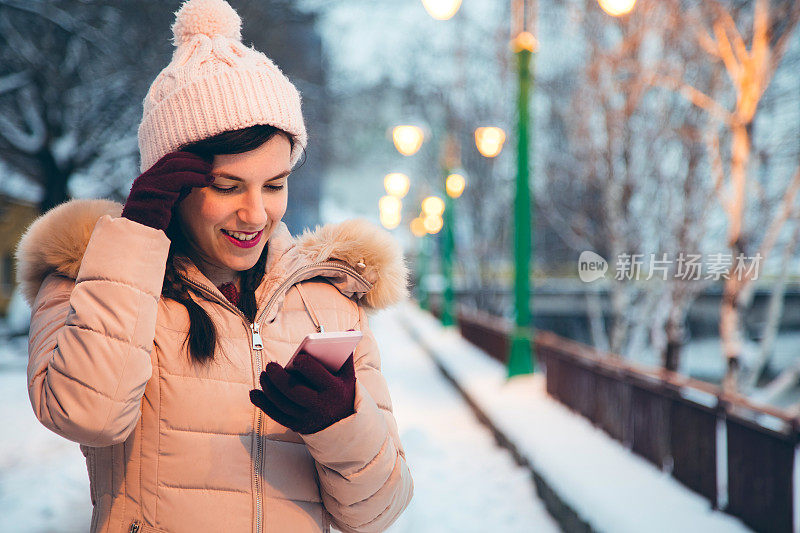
column 306, row 397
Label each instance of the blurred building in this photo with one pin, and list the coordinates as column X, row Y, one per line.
column 15, row 216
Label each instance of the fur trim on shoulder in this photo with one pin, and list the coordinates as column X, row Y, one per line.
column 358, row 241
column 56, row 242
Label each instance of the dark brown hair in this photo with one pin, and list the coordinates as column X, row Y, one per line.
column 202, row 336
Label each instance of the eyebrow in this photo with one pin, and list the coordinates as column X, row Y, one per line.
column 236, row 178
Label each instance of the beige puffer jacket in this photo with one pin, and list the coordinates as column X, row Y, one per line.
column 173, row 446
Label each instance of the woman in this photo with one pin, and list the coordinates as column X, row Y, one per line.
column 160, row 328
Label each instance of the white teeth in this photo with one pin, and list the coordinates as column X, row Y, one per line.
column 241, row 236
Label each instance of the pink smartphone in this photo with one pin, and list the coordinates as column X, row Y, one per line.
column 331, row 348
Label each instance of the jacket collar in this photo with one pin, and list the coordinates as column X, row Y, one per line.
column 56, row 242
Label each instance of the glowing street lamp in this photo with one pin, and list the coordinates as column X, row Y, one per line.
column 418, row 227
column 617, row 8
column 390, row 208
column 407, row 139
column 396, row 184
column 433, row 206
column 390, row 219
column 489, row 140
column 432, row 223
column 524, row 41
column 455, row 185
column 441, row 9
column 390, row 204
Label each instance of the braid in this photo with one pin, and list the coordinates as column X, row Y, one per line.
column 202, row 336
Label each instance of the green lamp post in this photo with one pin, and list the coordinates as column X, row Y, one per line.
column 422, row 272
column 454, row 185
column 432, row 222
column 447, row 249
column 521, row 356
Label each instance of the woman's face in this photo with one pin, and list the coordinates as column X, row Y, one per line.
column 229, row 222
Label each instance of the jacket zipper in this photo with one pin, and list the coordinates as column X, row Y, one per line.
column 335, row 265
column 257, row 343
column 257, row 346
column 259, row 451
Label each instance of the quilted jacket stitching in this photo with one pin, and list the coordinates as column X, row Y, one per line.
column 82, row 384
column 97, row 279
column 131, row 348
column 127, row 342
column 184, row 487
column 205, row 378
column 384, row 447
column 186, row 430
column 376, row 518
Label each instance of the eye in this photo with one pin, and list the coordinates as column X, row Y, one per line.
column 223, row 189
column 274, row 187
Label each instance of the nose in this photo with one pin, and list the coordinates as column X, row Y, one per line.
column 252, row 212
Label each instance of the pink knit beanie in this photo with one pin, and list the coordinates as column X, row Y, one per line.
column 213, row 84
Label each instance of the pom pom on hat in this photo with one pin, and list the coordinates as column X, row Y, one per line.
column 207, row 17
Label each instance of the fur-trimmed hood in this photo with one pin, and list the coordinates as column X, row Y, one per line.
column 57, row 240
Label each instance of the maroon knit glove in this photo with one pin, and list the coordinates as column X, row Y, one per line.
column 159, row 189
column 307, row 397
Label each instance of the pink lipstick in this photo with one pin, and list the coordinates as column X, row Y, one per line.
column 244, row 244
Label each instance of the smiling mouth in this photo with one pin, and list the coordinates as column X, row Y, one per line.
column 242, row 235
column 242, row 239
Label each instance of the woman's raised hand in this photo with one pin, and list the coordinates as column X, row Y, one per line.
column 159, row 189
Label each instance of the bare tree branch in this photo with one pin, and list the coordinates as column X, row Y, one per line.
column 695, row 96
column 12, row 82
column 725, row 26
column 717, row 170
column 63, row 20
column 33, row 141
column 787, row 207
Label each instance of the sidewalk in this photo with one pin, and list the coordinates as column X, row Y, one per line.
column 463, row 482
column 591, row 480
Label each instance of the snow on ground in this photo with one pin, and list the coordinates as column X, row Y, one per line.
column 607, row 485
column 43, row 481
column 462, row 480
column 13, row 352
